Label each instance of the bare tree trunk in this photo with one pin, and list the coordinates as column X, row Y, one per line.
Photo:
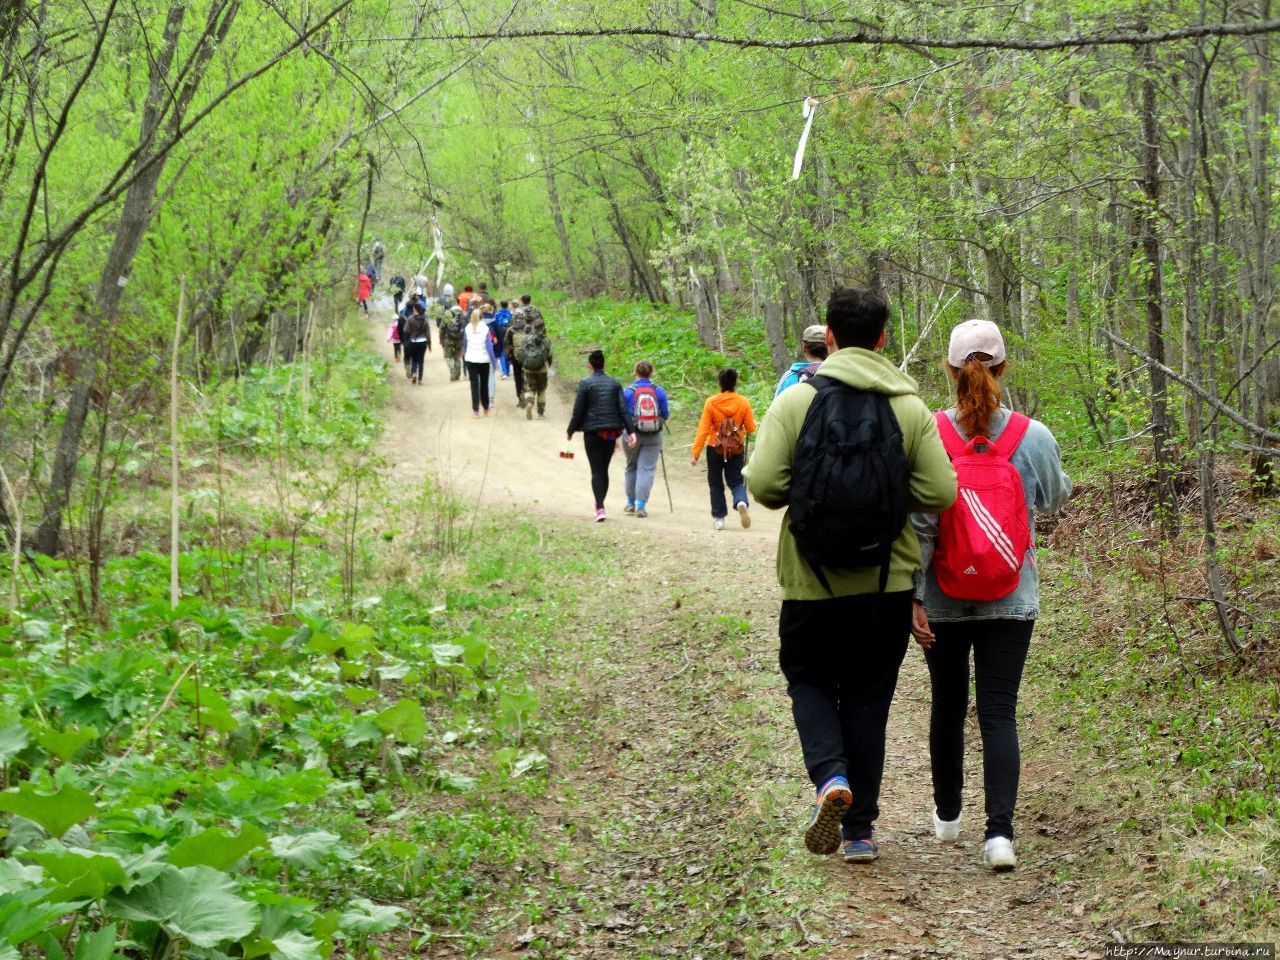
column 557, row 214
column 1166, row 504
column 139, row 207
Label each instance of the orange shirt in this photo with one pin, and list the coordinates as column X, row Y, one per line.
column 726, row 403
column 463, row 299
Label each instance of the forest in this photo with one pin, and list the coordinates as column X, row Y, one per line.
column 271, row 688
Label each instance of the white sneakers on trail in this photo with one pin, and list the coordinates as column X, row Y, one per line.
column 997, row 853
column 948, row 831
column 718, row 523
column 743, row 513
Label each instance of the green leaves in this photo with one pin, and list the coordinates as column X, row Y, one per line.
column 216, row 847
column 57, row 812
column 364, row 918
column 305, row 850
column 198, row 904
column 404, row 721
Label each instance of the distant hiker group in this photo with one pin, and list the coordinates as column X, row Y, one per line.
column 480, row 337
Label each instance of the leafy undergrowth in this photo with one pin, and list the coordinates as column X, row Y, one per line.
column 1181, row 736
column 322, row 749
column 630, row 332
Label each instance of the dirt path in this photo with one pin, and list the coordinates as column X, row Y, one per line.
column 673, row 816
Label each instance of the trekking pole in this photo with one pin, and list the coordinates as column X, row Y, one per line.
column 662, row 458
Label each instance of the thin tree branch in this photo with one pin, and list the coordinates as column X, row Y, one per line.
column 1128, row 37
column 1199, row 391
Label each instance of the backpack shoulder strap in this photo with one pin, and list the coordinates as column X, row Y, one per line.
column 951, row 439
column 1013, row 433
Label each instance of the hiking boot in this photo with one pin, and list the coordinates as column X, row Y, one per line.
column 718, row 523
column 528, row 411
column 997, row 853
column 542, row 415
column 860, row 851
column 822, row 833
column 630, row 507
column 641, row 512
column 946, row 830
column 520, row 403
column 599, row 514
column 743, row 515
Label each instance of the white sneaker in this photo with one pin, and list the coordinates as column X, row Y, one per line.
column 743, row 515
column 997, row 853
column 719, row 523
column 946, row 830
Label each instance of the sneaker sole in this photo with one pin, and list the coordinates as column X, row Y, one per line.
column 744, row 516
column 1000, row 867
column 823, row 835
column 863, row 857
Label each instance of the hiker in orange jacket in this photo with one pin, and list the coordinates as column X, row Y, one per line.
column 726, row 423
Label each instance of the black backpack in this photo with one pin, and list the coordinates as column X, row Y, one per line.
column 848, row 501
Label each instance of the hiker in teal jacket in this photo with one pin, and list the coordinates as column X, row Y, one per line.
column 841, row 649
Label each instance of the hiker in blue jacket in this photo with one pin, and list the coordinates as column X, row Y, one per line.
column 998, row 632
column 648, row 405
column 813, row 350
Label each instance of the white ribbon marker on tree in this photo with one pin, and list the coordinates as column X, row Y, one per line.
column 810, row 108
column 437, row 254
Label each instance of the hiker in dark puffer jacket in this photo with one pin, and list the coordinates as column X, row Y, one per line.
column 600, row 412
column 842, row 643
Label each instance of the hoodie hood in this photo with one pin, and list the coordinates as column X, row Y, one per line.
column 867, row 370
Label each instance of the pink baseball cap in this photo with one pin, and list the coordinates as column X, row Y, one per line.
column 976, row 336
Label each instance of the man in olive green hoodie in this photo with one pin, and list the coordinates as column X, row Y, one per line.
column 841, row 649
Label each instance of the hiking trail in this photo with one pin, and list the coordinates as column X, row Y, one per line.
column 676, row 795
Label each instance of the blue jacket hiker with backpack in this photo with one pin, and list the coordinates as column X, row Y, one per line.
column 648, row 405
column 991, row 526
column 848, row 453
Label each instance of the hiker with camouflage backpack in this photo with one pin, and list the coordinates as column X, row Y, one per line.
column 535, row 361
column 521, row 321
column 723, row 429
column 449, row 324
column 849, row 453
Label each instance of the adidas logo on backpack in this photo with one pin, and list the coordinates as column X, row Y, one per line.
column 984, row 536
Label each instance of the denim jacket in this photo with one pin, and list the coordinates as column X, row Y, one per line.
column 1046, row 487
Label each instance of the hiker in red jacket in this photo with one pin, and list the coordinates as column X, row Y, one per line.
column 364, row 286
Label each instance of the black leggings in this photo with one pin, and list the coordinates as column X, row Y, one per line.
column 599, row 453
column 999, row 653
column 478, row 373
column 414, row 354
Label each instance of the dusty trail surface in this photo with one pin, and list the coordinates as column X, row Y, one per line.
column 672, row 821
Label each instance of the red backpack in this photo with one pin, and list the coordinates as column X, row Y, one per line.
column 984, row 536
column 647, row 412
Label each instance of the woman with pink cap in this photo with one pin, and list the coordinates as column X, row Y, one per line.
column 979, row 593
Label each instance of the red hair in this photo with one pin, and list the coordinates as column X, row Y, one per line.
column 977, row 395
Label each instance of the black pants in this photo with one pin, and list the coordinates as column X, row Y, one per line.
column 517, row 372
column 397, row 297
column 722, row 471
column 414, row 353
column 396, row 346
column 999, row 653
column 841, row 659
column 478, row 373
column 599, row 453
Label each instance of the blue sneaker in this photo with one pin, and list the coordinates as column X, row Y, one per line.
column 630, row 507
column 640, row 510
column 822, row 834
column 860, row 851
